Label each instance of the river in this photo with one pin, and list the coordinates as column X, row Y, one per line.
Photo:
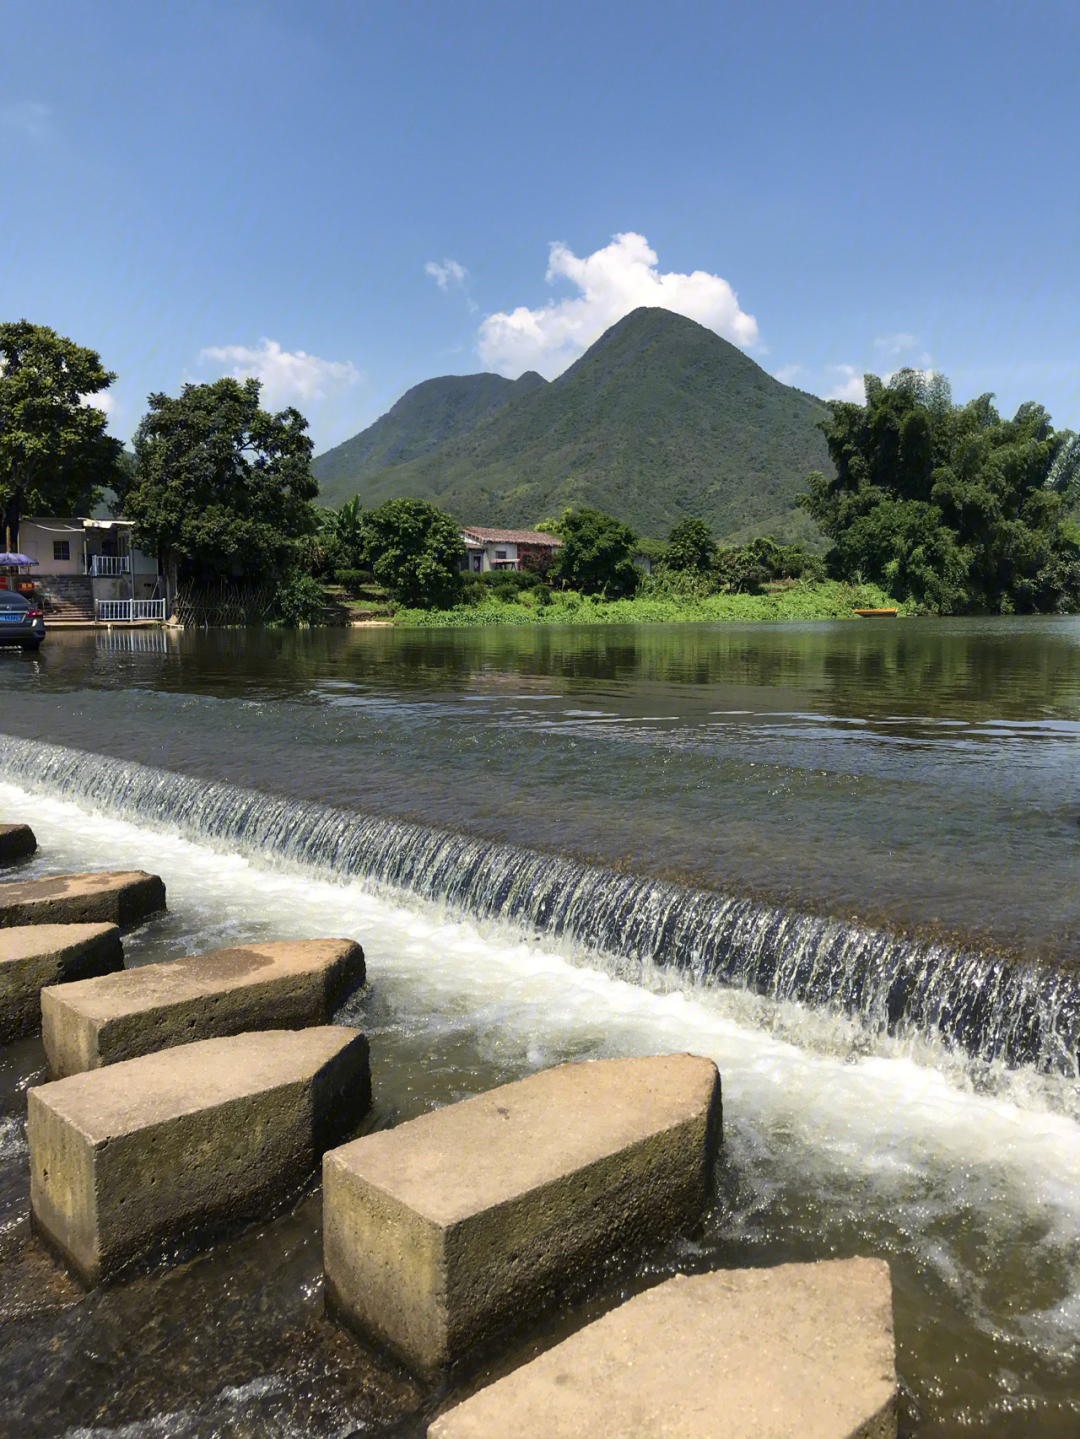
column 840, row 859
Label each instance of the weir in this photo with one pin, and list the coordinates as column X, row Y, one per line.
column 993, row 1008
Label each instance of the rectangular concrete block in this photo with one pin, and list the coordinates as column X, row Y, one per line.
column 17, row 841
column 36, row 955
column 802, row 1351
column 127, row 1160
column 283, row 985
column 124, row 897
column 440, row 1234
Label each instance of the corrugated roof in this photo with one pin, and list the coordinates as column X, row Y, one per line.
column 487, row 536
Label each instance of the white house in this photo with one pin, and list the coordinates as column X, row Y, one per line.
column 95, row 562
column 490, row 549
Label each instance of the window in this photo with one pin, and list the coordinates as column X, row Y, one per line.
column 61, row 549
column 500, row 554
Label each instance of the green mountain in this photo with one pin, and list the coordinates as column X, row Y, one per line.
column 421, row 420
column 658, row 420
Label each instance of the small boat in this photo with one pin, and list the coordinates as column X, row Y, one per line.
column 876, row 614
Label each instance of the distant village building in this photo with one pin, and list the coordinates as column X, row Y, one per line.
column 488, row 549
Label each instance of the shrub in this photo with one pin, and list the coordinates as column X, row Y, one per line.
column 298, row 600
column 352, row 580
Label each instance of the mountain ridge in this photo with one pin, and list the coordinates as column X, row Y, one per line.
column 659, row 419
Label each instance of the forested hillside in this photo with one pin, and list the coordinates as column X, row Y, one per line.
column 660, row 419
column 422, row 419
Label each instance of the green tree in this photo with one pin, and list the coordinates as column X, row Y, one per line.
column 690, row 547
column 55, row 456
column 220, row 485
column 339, row 540
column 596, row 554
column 949, row 505
column 298, row 600
column 416, row 552
column 745, row 569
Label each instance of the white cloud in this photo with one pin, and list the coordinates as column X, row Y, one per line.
column 902, row 343
column 102, row 400
column 448, row 276
column 288, row 378
column 612, row 282
column 848, row 385
column 31, row 118
column 898, row 344
column 788, row 374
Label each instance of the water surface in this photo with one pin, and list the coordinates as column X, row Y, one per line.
column 919, row 775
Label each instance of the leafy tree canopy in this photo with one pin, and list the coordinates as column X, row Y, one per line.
column 690, row 547
column 949, row 505
column 54, row 453
column 339, row 543
column 416, row 552
column 596, row 554
column 745, row 569
column 219, row 484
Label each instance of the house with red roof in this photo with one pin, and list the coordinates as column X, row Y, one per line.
column 492, row 549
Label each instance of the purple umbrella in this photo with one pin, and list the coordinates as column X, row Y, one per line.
column 7, row 558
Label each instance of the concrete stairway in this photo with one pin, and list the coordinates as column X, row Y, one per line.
column 68, row 597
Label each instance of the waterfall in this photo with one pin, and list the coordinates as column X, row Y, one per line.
column 993, row 1008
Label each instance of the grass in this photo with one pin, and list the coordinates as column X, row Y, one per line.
column 827, row 600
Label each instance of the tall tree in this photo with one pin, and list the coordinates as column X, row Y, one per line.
column 416, row 552
column 220, row 485
column 55, row 456
column 950, row 505
column 596, row 554
column 690, row 547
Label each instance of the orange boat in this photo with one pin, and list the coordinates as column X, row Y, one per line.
column 876, row 614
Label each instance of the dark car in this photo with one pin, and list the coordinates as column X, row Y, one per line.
column 20, row 622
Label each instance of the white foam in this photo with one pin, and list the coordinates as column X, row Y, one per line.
column 910, row 1146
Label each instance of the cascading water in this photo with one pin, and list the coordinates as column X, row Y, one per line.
column 995, row 1009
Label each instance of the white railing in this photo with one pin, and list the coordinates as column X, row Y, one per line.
column 102, row 565
column 130, row 610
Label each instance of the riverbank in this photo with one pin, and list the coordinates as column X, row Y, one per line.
column 826, row 600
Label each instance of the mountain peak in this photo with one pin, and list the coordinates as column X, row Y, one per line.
column 661, row 418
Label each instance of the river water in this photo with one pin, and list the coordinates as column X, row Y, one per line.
column 840, row 859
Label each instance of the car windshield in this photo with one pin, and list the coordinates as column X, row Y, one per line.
column 9, row 600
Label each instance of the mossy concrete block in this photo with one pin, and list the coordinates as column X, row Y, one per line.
column 124, row 897
column 17, row 841
column 128, row 1160
column 284, row 985
column 36, row 955
column 440, row 1235
column 802, row 1351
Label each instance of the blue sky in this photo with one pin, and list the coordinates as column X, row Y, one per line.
column 348, row 198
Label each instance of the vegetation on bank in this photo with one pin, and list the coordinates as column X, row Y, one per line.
column 799, row 600
column 948, row 508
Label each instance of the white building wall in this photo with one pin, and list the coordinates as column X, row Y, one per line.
column 38, row 536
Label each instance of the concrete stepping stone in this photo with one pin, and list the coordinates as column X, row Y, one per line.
column 130, row 1159
column 283, row 985
column 16, row 842
column 444, row 1232
column 123, row 897
column 36, row 955
column 802, row 1351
